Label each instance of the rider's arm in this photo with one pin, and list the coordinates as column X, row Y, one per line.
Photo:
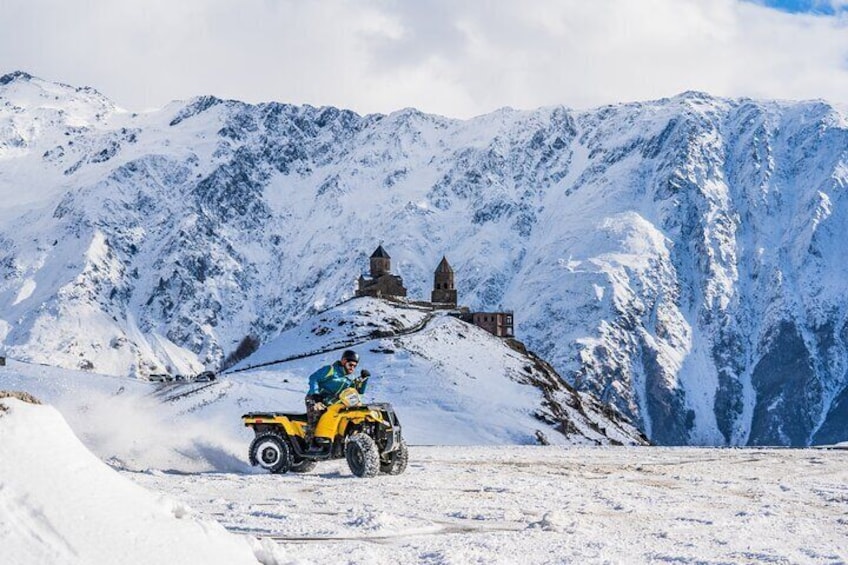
column 315, row 380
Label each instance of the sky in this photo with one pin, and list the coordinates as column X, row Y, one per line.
column 821, row 7
column 457, row 59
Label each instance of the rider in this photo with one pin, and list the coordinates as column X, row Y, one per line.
column 326, row 383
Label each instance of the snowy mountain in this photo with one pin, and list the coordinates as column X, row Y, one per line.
column 679, row 258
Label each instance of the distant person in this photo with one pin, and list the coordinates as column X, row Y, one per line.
column 326, row 383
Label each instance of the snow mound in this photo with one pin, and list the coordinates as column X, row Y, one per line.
column 450, row 382
column 60, row 504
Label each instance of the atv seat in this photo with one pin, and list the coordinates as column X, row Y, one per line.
column 295, row 417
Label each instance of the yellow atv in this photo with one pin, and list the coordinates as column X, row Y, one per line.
column 367, row 435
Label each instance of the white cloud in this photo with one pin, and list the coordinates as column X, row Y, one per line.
column 452, row 58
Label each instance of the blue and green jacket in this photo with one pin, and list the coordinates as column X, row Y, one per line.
column 330, row 380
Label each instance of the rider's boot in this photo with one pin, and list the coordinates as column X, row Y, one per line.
column 318, row 445
column 308, row 435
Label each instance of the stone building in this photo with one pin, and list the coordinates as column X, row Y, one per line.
column 444, row 291
column 382, row 283
column 496, row 323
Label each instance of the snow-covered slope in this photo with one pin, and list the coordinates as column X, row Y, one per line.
column 679, row 258
column 60, row 504
column 450, row 383
column 345, row 325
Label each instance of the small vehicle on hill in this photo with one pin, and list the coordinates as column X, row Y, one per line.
column 205, row 377
column 367, row 435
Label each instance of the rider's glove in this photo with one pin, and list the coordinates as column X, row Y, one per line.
column 319, row 406
column 362, row 380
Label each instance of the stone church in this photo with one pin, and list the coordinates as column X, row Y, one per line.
column 383, row 284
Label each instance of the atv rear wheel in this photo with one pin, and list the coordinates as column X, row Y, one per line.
column 271, row 452
column 362, row 455
column 395, row 462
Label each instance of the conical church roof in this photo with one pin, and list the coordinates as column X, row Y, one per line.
column 444, row 266
column 380, row 252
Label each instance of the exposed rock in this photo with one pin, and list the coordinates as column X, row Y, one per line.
column 20, row 395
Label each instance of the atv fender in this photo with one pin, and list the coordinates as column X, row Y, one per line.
column 291, row 424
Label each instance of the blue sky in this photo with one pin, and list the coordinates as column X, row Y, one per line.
column 457, row 59
column 820, row 7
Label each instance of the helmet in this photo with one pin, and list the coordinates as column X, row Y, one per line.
column 350, row 355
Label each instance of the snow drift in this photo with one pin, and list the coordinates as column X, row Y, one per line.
column 60, row 504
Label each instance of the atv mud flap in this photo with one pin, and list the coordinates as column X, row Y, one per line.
column 392, row 439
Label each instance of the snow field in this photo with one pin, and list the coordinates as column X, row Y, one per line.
column 543, row 505
column 497, row 503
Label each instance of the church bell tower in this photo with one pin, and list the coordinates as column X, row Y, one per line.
column 444, row 291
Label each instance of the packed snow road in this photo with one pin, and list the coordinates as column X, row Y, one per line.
column 543, row 505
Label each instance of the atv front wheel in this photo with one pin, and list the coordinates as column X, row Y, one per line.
column 395, row 462
column 271, row 452
column 362, row 455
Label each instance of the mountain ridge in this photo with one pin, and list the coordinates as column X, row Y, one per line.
column 678, row 258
